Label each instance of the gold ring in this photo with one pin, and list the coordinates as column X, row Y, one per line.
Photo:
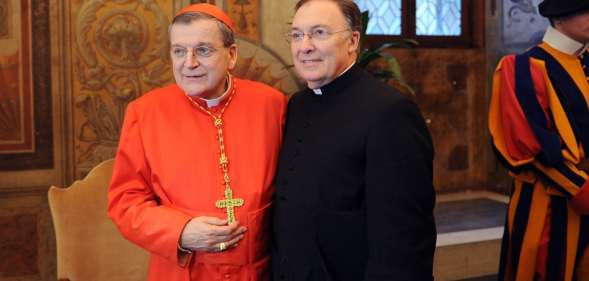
column 222, row 246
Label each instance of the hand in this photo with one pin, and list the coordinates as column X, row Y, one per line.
column 207, row 233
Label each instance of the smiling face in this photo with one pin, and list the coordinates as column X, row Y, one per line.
column 320, row 61
column 200, row 61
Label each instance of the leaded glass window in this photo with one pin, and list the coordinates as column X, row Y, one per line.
column 438, row 17
column 385, row 16
column 431, row 22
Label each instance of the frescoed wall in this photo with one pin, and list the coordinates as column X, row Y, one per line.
column 16, row 99
column 25, row 109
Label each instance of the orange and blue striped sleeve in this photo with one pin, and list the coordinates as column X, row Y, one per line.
column 524, row 134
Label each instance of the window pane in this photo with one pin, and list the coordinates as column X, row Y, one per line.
column 438, row 17
column 385, row 16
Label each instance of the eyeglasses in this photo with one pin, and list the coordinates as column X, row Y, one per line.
column 319, row 34
column 179, row 52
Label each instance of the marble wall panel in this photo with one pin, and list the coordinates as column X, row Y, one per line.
column 27, row 241
column 450, row 91
column 18, row 247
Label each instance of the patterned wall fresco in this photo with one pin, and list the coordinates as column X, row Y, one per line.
column 12, row 114
column 246, row 16
column 16, row 114
column 260, row 63
column 120, row 51
column 5, row 19
column 25, row 87
column 522, row 25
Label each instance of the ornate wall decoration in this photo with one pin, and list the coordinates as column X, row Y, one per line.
column 5, row 19
column 16, row 113
column 12, row 115
column 261, row 64
column 25, row 104
column 522, row 25
column 246, row 16
column 120, row 52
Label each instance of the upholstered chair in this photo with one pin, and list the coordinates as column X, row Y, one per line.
column 89, row 247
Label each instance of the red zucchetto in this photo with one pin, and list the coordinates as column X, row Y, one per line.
column 210, row 10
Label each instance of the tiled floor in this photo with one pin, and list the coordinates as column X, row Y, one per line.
column 461, row 215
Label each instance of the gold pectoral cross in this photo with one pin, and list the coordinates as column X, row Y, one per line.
column 229, row 203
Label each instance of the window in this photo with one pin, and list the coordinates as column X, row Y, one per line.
column 433, row 23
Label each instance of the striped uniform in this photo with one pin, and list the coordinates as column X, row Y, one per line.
column 539, row 122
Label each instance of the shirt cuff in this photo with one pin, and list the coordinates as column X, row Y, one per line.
column 184, row 256
column 580, row 202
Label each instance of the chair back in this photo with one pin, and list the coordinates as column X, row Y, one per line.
column 89, row 246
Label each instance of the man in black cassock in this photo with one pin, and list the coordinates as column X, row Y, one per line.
column 354, row 198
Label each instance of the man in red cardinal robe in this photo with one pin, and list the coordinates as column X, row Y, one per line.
column 192, row 182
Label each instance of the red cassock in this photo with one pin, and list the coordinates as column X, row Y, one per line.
column 167, row 172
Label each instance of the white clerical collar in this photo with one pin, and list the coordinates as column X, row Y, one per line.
column 563, row 43
column 216, row 101
column 318, row 90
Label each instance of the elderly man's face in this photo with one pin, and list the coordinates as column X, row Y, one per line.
column 199, row 59
column 320, row 61
column 576, row 27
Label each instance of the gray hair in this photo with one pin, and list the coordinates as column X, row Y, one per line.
column 227, row 35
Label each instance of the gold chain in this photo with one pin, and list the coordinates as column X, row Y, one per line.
column 229, row 202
